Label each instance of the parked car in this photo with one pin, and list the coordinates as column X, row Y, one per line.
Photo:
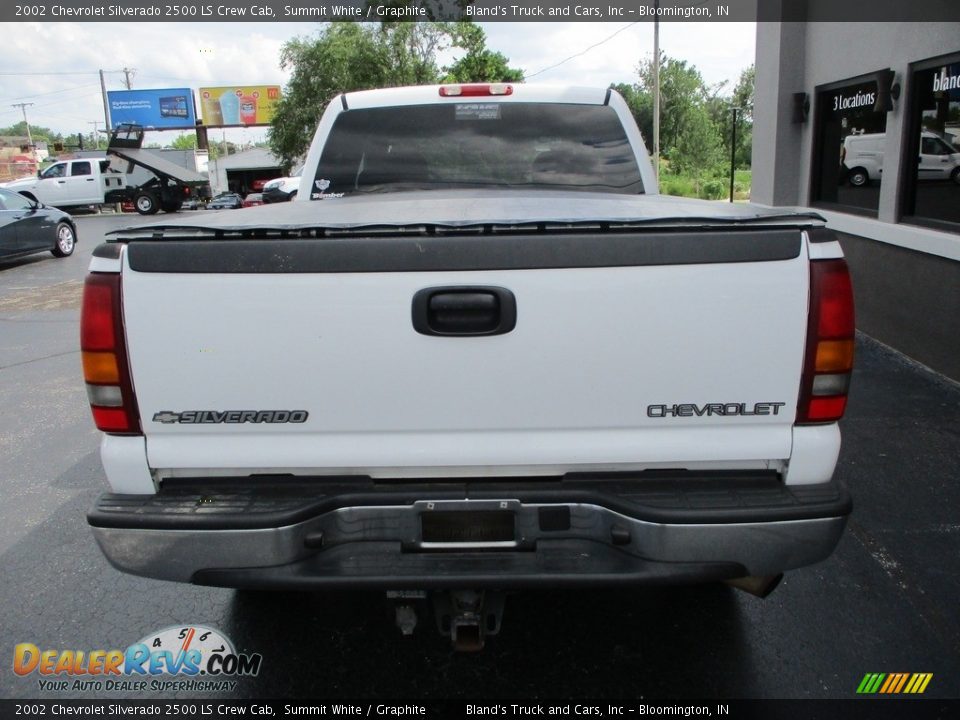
column 282, row 189
column 191, row 204
column 225, row 201
column 27, row 227
column 253, row 199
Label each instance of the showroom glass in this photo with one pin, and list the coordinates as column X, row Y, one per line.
column 849, row 147
column 933, row 190
column 478, row 145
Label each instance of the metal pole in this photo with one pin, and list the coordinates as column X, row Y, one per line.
column 733, row 151
column 126, row 74
column 656, row 93
column 106, row 107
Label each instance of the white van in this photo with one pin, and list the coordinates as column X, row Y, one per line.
column 862, row 158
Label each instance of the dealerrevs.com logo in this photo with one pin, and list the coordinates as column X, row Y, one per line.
column 184, row 658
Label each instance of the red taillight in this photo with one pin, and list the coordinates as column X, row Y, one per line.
column 96, row 322
column 830, row 338
column 104, row 355
column 476, row 90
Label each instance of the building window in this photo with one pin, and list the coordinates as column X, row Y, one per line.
column 932, row 182
column 849, row 144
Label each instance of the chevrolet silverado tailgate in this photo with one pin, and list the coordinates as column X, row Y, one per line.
column 389, row 353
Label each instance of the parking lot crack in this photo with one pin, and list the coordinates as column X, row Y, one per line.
column 45, row 357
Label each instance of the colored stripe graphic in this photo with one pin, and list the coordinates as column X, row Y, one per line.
column 903, row 680
column 891, row 680
column 894, row 683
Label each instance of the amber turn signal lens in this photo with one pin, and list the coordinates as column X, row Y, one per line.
column 100, row 368
column 834, row 356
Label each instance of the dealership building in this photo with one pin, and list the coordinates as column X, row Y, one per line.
column 861, row 122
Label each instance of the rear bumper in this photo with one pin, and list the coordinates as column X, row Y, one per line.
column 563, row 532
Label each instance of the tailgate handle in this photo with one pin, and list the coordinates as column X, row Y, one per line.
column 464, row 311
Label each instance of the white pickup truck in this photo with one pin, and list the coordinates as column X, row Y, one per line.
column 95, row 181
column 478, row 353
column 69, row 183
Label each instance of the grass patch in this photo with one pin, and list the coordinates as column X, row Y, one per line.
column 713, row 186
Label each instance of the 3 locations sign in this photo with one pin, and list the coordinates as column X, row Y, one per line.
column 235, row 105
column 165, row 109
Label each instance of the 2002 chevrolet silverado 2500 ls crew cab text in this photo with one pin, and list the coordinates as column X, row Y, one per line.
column 479, row 352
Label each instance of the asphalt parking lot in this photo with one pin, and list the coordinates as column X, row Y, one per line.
column 887, row 601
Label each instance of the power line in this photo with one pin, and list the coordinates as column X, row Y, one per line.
column 54, row 92
column 82, row 72
column 606, row 39
column 55, row 103
column 582, row 52
column 19, row 74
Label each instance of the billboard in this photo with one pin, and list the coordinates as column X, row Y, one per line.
column 168, row 108
column 239, row 105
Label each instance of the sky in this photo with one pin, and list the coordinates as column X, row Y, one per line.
column 68, row 99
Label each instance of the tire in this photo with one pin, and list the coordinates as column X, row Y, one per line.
column 955, row 175
column 858, row 177
column 66, row 240
column 146, row 203
column 171, row 207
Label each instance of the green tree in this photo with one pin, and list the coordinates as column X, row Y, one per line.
column 479, row 64
column 351, row 56
column 37, row 132
column 698, row 149
column 345, row 56
column 743, row 98
column 683, row 97
column 187, row 141
column 412, row 48
column 721, row 112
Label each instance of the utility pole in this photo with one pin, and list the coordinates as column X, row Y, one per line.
column 126, row 74
column 656, row 91
column 24, row 106
column 96, row 138
column 106, row 110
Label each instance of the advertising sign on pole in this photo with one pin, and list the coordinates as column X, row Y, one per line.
column 238, row 105
column 164, row 109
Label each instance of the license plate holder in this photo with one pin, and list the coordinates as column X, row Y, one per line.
column 468, row 528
